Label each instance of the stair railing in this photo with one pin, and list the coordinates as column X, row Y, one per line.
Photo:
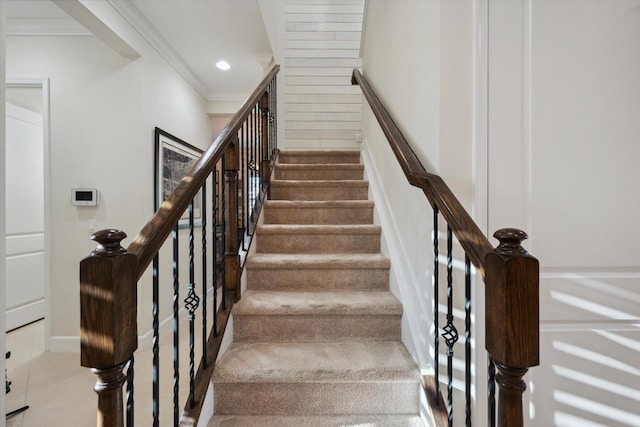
column 511, row 278
column 238, row 167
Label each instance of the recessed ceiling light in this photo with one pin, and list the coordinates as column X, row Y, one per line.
column 223, row 65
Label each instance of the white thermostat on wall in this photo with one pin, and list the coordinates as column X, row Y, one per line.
column 84, row 197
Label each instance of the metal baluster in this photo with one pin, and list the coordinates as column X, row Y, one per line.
column 243, row 180
column 203, row 215
column 215, row 251
column 223, row 207
column 467, row 339
column 191, row 302
column 176, row 365
column 450, row 334
column 436, row 310
column 130, row 393
column 155, row 405
column 491, row 384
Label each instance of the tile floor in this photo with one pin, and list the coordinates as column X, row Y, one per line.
column 54, row 385
column 59, row 391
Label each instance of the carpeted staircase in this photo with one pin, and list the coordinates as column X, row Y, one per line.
column 316, row 335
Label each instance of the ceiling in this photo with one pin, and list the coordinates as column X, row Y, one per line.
column 197, row 33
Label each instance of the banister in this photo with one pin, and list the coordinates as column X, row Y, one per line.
column 154, row 233
column 471, row 238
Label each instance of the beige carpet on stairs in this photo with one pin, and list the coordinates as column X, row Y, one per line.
column 316, row 335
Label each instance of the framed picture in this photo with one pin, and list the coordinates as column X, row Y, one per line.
column 174, row 159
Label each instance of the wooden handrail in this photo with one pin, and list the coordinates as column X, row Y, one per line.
column 154, row 233
column 510, row 274
column 471, row 238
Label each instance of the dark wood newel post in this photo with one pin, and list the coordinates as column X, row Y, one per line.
column 512, row 320
column 231, row 256
column 265, row 168
column 108, row 326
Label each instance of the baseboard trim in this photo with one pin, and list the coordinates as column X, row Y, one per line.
column 25, row 314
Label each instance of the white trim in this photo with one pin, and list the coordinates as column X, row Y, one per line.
column 3, row 364
column 43, row 84
column 142, row 25
column 64, row 344
column 24, row 314
column 45, row 27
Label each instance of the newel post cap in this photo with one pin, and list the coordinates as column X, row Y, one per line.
column 512, row 301
column 108, row 303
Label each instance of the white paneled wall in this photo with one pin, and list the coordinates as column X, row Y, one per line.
column 322, row 47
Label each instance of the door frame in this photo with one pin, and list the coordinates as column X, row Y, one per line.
column 43, row 85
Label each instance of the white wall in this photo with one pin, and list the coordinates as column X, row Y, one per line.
column 103, row 111
column 560, row 118
column 417, row 56
column 563, row 150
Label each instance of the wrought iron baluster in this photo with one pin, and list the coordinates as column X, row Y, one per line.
column 467, row 339
column 223, row 207
column 450, row 334
column 129, row 393
column 243, row 173
column 155, row 370
column 436, row 310
column 491, row 391
column 191, row 302
column 176, row 324
column 203, row 215
column 215, row 250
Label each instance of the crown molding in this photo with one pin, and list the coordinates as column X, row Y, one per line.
column 45, row 27
column 142, row 25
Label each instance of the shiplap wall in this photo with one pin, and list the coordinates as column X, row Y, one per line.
column 322, row 47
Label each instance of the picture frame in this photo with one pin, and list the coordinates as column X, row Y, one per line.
column 174, row 158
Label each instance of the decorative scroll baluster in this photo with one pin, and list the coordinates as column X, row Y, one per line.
column 203, row 215
column 436, row 309
column 176, row 340
column 467, row 340
column 244, row 220
column 512, row 288
column 130, row 376
column 450, row 334
column 192, row 301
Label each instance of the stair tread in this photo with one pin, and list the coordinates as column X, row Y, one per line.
column 338, row 303
column 357, row 166
column 320, row 182
column 316, row 362
column 316, row 421
column 274, row 260
column 341, row 229
column 315, row 204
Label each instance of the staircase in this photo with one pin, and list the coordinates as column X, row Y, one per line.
column 316, row 335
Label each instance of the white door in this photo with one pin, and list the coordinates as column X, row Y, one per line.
column 564, row 156
column 24, row 217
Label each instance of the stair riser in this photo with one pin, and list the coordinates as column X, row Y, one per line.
column 317, row 398
column 316, row 174
column 318, row 216
column 298, row 192
column 318, row 243
column 275, row 328
column 317, row 158
column 317, row 278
